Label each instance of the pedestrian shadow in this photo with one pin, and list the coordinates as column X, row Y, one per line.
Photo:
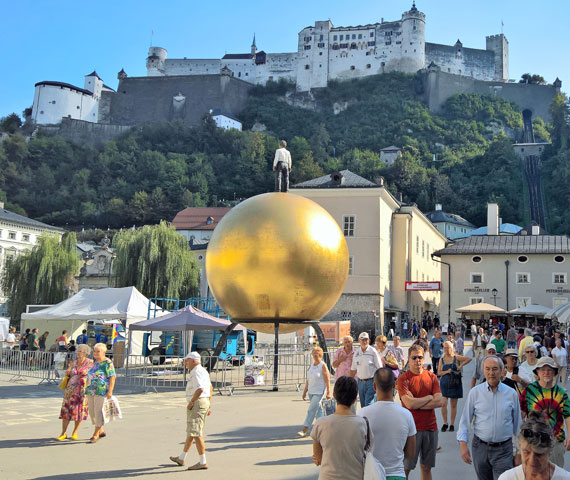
column 125, row 473
column 37, row 443
column 259, row 434
column 288, row 461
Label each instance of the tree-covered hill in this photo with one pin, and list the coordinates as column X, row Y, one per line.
column 155, row 170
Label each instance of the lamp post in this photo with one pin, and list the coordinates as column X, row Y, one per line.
column 494, row 293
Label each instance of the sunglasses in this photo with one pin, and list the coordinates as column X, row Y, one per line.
column 540, row 436
column 530, row 351
column 417, row 357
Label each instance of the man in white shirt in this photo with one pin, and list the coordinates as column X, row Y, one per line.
column 393, row 427
column 282, row 166
column 198, row 394
column 11, row 338
column 365, row 362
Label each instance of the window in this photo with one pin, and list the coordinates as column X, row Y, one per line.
column 559, row 259
column 359, row 36
column 25, row 238
column 423, row 249
column 350, row 265
column 307, row 47
column 334, row 37
column 523, row 277
column 417, row 244
column 476, row 278
column 371, row 34
column 348, row 225
column 307, row 67
column 368, row 65
column 346, row 315
column 558, row 278
column 559, row 301
column 342, row 37
column 12, row 235
column 354, row 36
column 371, row 44
column 475, row 300
column 476, row 259
column 320, row 38
column 352, row 67
column 523, row 302
column 321, row 45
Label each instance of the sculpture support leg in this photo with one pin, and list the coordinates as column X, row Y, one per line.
column 323, row 345
column 276, row 359
column 221, row 343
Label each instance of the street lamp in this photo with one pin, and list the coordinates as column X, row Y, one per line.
column 494, row 293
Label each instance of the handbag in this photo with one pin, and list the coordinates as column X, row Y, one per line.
column 328, row 406
column 111, row 409
column 63, row 383
column 373, row 469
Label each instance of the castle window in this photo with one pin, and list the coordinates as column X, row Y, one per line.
column 320, row 53
column 307, row 67
column 321, row 45
column 449, row 69
column 353, row 36
column 76, row 107
column 371, row 44
column 352, row 67
column 335, row 47
column 342, row 37
column 42, row 112
column 367, row 53
column 388, row 43
column 399, row 42
column 334, row 37
column 459, row 70
column 353, row 46
column 368, row 65
column 344, row 45
column 246, row 74
column 307, row 47
column 359, row 36
column 321, row 38
column 414, row 27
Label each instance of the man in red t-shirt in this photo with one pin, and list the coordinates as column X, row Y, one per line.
column 420, row 394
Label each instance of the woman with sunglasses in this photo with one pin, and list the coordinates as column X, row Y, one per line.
column 536, row 439
column 529, row 364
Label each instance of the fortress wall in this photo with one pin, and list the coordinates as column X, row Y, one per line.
column 470, row 62
column 80, row 131
column 439, row 86
column 186, row 66
column 150, row 99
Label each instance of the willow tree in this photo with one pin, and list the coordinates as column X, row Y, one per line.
column 42, row 275
column 156, row 260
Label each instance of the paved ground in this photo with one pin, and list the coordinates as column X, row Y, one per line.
column 249, row 436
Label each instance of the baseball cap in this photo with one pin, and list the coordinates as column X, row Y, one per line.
column 363, row 335
column 545, row 361
column 491, row 346
column 193, row 356
column 511, row 352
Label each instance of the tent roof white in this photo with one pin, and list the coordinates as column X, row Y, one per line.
column 480, row 308
column 185, row 319
column 538, row 310
column 125, row 303
column 561, row 312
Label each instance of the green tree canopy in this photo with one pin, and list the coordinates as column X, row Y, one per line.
column 42, row 275
column 156, row 260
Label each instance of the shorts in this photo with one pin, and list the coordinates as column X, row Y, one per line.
column 196, row 418
column 426, row 446
column 95, row 405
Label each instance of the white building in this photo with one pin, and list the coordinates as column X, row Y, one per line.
column 449, row 224
column 17, row 234
column 510, row 271
column 325, row 52
column 225, row 120
column 55, row 100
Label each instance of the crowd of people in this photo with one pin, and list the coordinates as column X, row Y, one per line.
column 516, row 414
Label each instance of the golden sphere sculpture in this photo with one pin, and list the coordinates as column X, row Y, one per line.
column 277, row 257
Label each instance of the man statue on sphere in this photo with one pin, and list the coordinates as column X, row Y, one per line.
column 282, row 166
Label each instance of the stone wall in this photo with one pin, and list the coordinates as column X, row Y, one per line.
column 439, row 86
column 187, row 98
column 470, row 62
column 360, row 307
column 80, row 131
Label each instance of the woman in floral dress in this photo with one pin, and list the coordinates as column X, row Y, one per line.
column 74, row 405
column 100, row 385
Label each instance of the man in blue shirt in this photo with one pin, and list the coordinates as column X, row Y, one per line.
column 436, row 349
column 82, row 339
column 494, row 409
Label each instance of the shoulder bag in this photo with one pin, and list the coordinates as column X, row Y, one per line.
column 373, row 469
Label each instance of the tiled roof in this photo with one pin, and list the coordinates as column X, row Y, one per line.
column 508, row 244
column 349, row 180
column 12, row 217
column 219, row 111
column 506, row 228
column 391, row 148
column 64, row 85
column 439, row 216
column 196, row 218
column 237, row 56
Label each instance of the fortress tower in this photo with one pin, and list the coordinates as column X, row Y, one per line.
column 500, row 46
column 413, row 56
column 313, row 56
column 155, row 61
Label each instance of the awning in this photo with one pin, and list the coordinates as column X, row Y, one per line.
column 480, row 308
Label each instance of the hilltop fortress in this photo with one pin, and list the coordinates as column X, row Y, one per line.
column 325, row 52
column 186, row 89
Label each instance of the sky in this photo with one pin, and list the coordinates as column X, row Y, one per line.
column 65, row 40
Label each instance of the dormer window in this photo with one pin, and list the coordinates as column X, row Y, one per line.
column 209, row 220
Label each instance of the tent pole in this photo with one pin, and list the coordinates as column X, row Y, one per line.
column 276, row 358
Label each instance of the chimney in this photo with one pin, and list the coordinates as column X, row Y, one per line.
column 536, row 230
column 337, row 178
column 492, row 219
column 438, row 207
column 1, row 204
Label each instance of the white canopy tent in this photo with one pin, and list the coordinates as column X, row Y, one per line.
column 4, row 327
column 481, row 308
column 561, row 312
column 126, row 304
column 531, row 310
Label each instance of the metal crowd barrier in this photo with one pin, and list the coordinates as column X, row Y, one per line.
column 20, row 364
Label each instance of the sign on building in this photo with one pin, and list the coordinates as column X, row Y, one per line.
column 423, row 286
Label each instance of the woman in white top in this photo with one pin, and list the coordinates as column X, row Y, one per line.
column 536, row 440
column 318, row 382
column 560, row 356
column 529, row 364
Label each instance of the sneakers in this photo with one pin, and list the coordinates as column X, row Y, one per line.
column 178, row 461
column 444, row 427
column 198, row 466
column 451, row 428
column 301, row 434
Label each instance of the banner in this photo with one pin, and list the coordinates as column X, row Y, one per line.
column 423, row 286
column 254, row 371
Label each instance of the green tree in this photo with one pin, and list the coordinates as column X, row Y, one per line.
column 156, row 260
column 535, row 79
column 42, row 275
column 11, row 123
